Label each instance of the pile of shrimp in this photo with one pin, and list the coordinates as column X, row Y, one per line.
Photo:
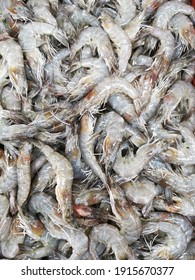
column 97, row 123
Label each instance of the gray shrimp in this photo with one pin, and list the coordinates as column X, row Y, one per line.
column 112, row 239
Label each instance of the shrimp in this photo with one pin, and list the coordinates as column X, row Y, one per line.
column 105, row 89
column 133, row 27
column 36, row 164
column 91, row 196
column 23, row 173
column 43, row 179
column 10, row 100
column 128, row 166
column 8, row 180
column 4, row 208
column 141, row 191
column 95, row 37
column 176, row 182
column 135, row 136
column 120, row 39
column 75, row 237
column 112, row 125
column 127, row 218
column 64, row 22
column 15, row 131
column 17, row 9
column 174, row 244
column 10, row 243
column 112, row 239
column 183, row 205
column 46, row 205
column 126, row 11
column 177, row 219
column 167, row 10
column 80, row 17
column 181, row 25
column 96, row 71
column 124, row 106
column 41, row 11
column 86, row 143
column 64, row 176
column 13, row 57
column 31, row 41
column 166, row 50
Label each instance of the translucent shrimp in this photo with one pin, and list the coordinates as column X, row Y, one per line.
column 166, row 50
column 177, row 219
column 64, row 176
column 41, row 11
column 174, row 244
column 105, row 89
column 36, row 164
column 112, row 126
column 44, row 178
column 10, row 244
column 30, row 43
column 17, row 9
column 91, row 196
column 133, row 27
column 181, row 25
column 23, row 173
column 12, row 55
column 183, row 205
column 124, row 106
column 141, row 191
column 4, row 208
column 167, row 10
column 86, row 142
column 127, row 218
column 64, row 22
column 46, row 205
column 8, row 179
column 96, row 71
column 76, row 238
column 80, row 17
column 120, row 39
column 126, row 11
column 128, row 166
column 10, row 100
column 180, row 92
column 112, row 239
column 96, row 38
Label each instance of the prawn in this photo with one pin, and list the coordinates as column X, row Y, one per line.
column 23, row 173
column 12, row 55
column 64, row 176
column 95, row 37
column 126, row 11
column 120, row 39
column 30, row 43
column 174, row 244
column 10, row 100
column 112, row 239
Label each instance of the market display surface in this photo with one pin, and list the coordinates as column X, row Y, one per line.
column 97, row 123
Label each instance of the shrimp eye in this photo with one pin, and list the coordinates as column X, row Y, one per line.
column 124, row 152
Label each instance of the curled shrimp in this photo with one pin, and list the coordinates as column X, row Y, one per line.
column 120, row 39
column 183, row 26
column 76, row 238
column 23, row 173
column 96, row 71
column 105, row 89
column 12, row 55
column 174, row 244
column 46, row 205
column 128, row 166
column 31, row 41
column 95, row 37
column 64, row 176
column 112, row 239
